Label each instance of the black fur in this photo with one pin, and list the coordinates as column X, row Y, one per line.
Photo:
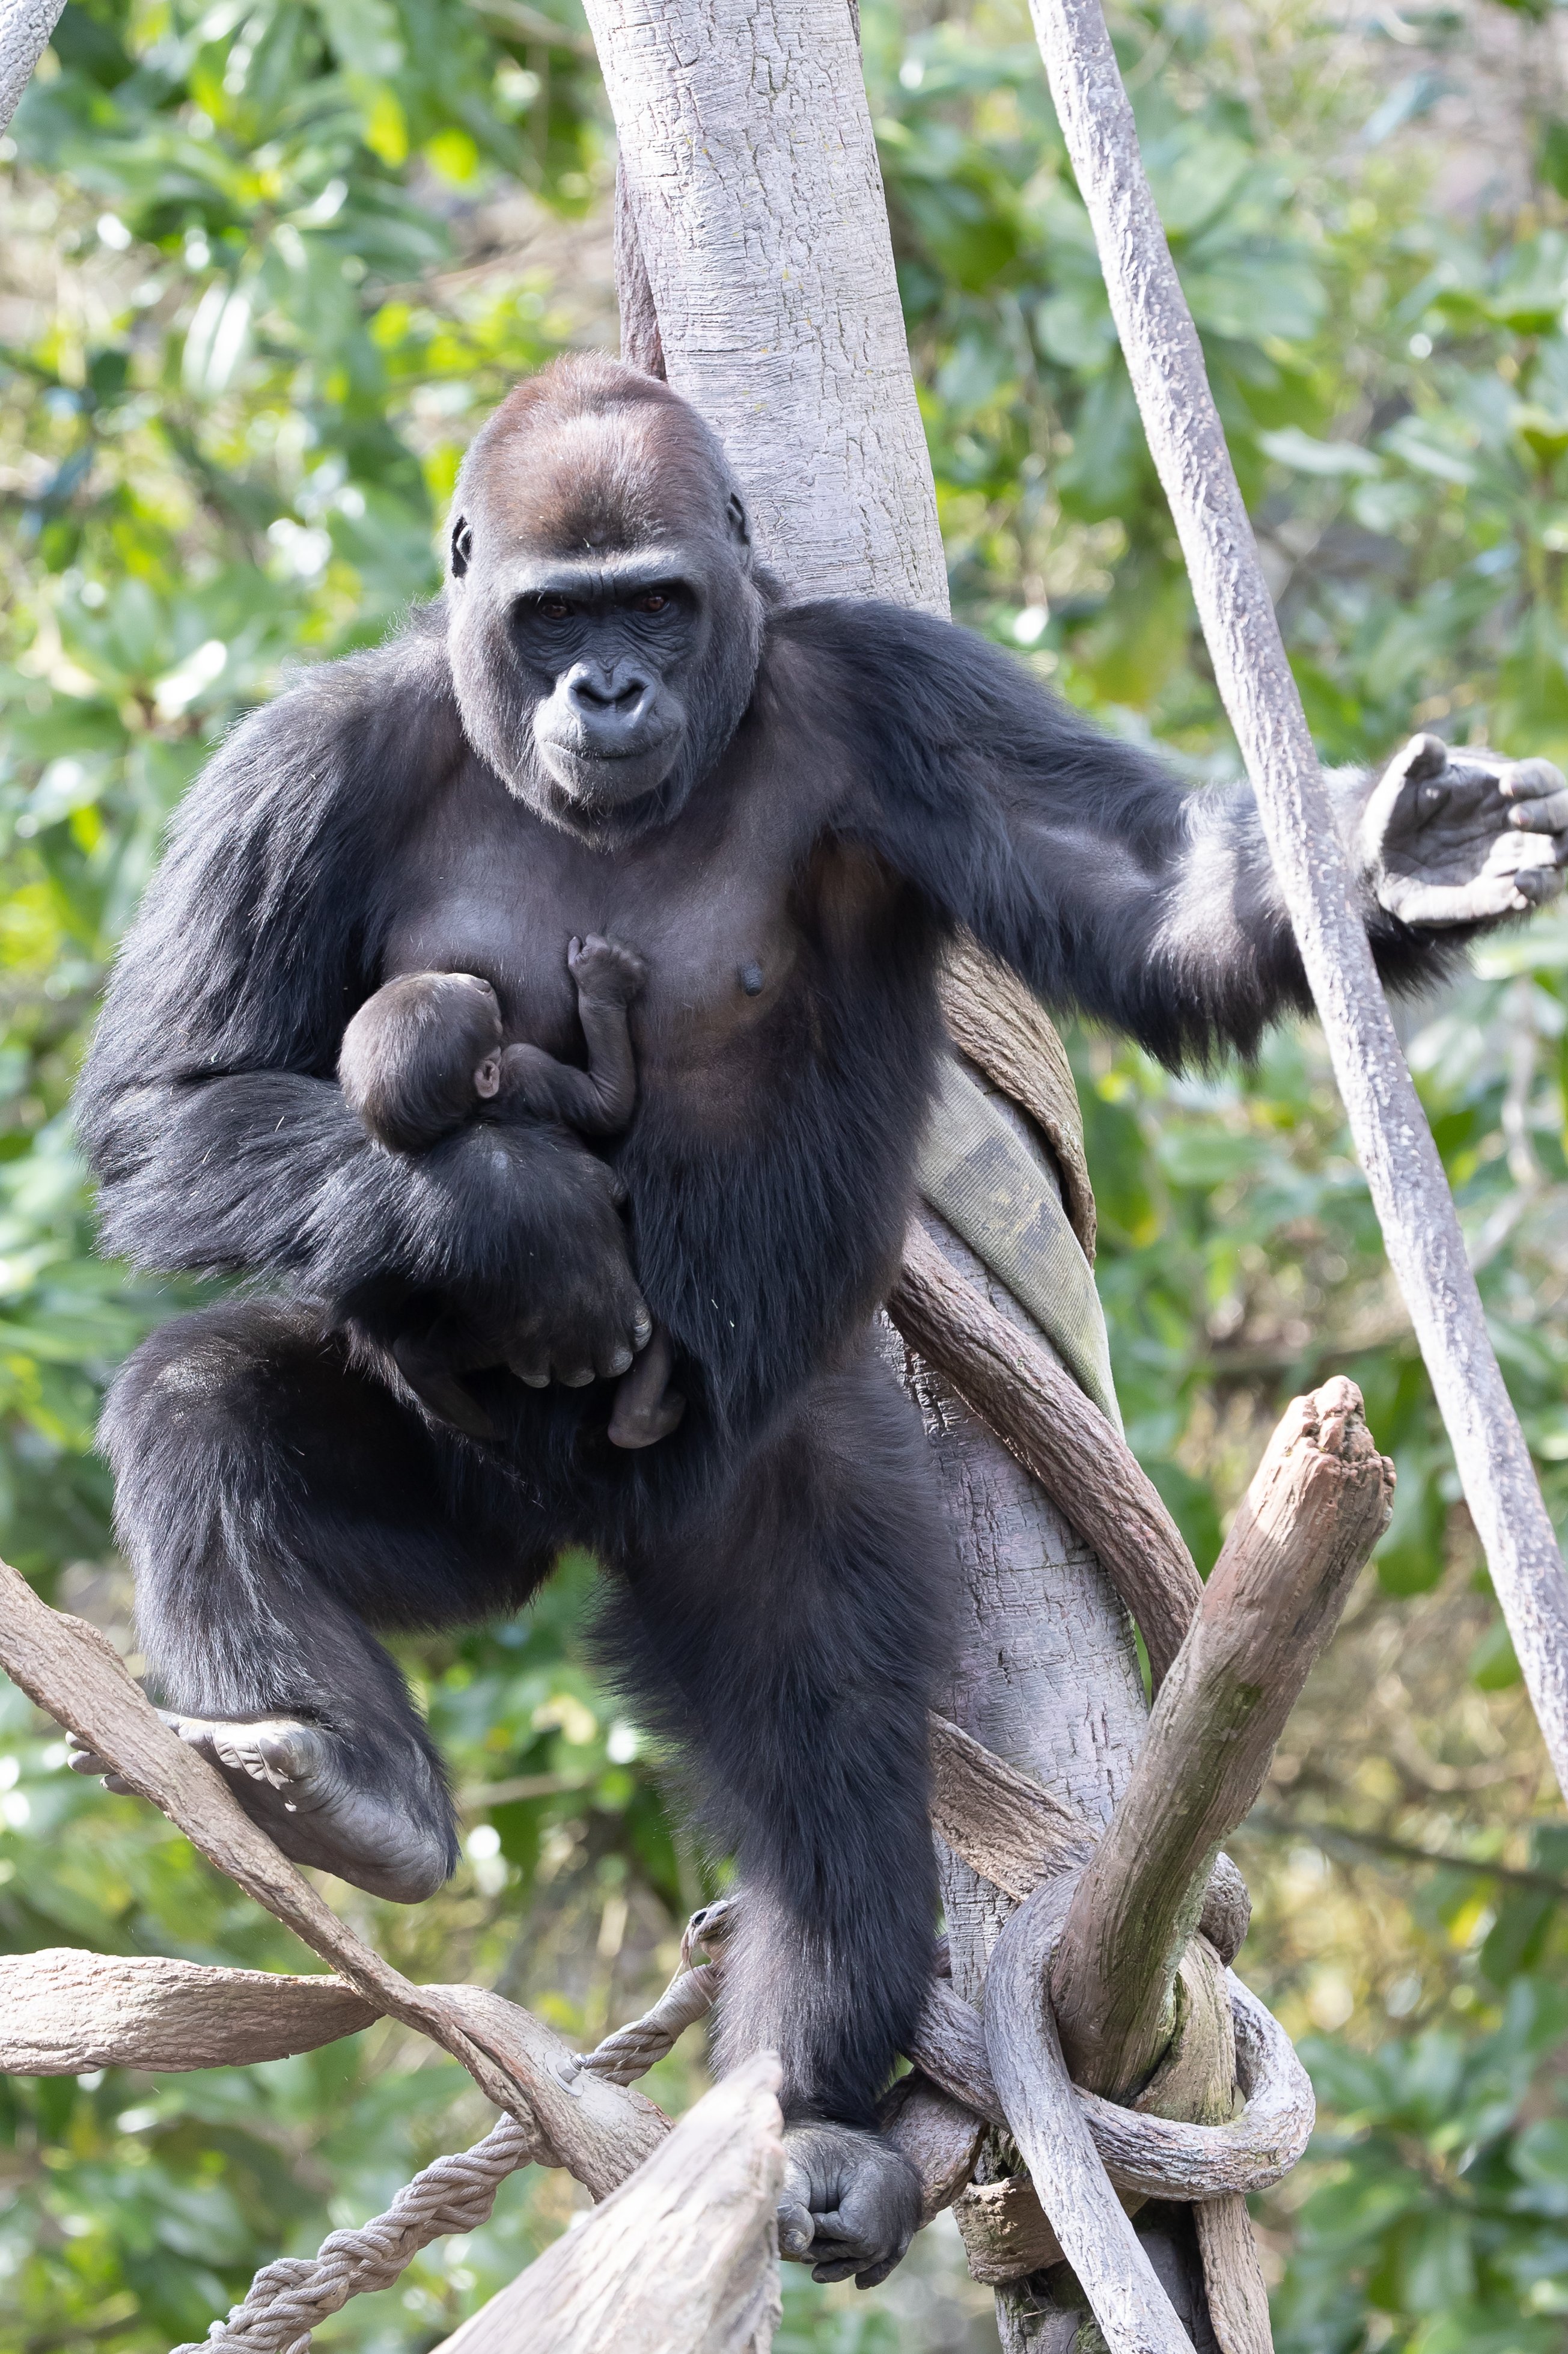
column 410, row 1055
column 853, row 782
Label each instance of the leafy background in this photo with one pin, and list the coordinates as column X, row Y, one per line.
column 263, row 266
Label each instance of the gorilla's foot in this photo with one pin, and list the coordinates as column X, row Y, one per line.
column 850, row 2202
column 296, row 1781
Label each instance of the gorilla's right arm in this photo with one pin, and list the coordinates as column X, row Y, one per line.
column 208, row 1107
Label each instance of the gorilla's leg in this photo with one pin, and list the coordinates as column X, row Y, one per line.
column 274, row 1501
column 790, row 1638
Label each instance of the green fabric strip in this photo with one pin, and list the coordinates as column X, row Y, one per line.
column 979, row 1175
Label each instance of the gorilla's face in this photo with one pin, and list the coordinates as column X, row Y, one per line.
column 604, row 624
column 614, row 648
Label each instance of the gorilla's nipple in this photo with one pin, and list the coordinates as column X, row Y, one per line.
column 751, row 980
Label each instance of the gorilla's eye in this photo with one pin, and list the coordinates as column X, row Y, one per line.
column 462, row 546
column 555, row 608
column 655, row 601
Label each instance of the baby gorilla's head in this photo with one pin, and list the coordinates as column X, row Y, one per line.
column 419, row 1054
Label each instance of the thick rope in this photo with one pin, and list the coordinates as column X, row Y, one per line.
column 289, row 2298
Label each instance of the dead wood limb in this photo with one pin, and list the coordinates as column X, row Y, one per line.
column 1317, row 1504
column 640, row 346
column 25, row 29
column 63, row 2011
column 1006, row 2236
column 1415, row 1207
column 1238, row 2294
column 681, row 2259
column 1006, row 1826
column 1009, row 1830
column 1041, row 1415
column 599, row 2131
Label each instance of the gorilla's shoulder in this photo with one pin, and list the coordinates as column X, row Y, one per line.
column 366, row 731
column 872, row 639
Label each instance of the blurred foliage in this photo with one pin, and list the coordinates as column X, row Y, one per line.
column 265, row 264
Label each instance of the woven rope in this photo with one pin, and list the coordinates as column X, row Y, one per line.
column 287, row 2299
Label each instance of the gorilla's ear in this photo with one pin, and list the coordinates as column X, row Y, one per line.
column 462, row 545
column 738, row 522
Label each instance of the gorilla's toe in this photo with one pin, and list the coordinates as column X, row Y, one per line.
column 298, row 1783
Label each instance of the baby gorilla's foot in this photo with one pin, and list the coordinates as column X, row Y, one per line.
column 296, row 1781
column 605, row 972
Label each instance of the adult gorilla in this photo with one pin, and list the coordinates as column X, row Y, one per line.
column 611, row 722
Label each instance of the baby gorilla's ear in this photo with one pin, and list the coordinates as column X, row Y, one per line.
column 487, row 1078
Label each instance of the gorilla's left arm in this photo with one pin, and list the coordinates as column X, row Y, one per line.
column 1111, row 888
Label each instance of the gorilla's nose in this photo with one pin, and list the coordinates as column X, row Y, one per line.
column 610, row 699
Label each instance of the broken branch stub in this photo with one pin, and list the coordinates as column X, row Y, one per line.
column 63, row 2011
column 1319, row 1504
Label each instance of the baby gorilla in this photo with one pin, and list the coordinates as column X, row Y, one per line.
column 423, row 1056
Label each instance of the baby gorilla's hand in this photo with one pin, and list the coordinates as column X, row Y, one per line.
column 850, row 2203
column 605, row 972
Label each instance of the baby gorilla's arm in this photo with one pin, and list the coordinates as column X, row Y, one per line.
column 600, row 1100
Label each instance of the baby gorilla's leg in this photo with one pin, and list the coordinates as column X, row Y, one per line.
column 646, row 1408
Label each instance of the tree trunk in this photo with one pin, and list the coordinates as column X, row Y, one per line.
column 749, row 176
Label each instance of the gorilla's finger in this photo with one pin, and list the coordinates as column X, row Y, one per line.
column 795, row 2228
column 575, row 1377
column 81, row 1759
column 1524, row 781
column 1546, row 813
column 641, row 1327
column 837, row 2269
column 1538, row 883
column 874, row 2274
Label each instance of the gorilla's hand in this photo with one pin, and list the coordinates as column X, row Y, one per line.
column 850, row 2203
column 1464, row 837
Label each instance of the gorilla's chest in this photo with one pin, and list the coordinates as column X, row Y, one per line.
column 726, row 906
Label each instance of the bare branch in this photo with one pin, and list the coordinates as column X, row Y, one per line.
column 1411, row 1193
column 600, row 2131
column 25, row 28
column 63, row 2011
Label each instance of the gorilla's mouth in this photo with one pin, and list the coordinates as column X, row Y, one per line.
column 599, row 782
